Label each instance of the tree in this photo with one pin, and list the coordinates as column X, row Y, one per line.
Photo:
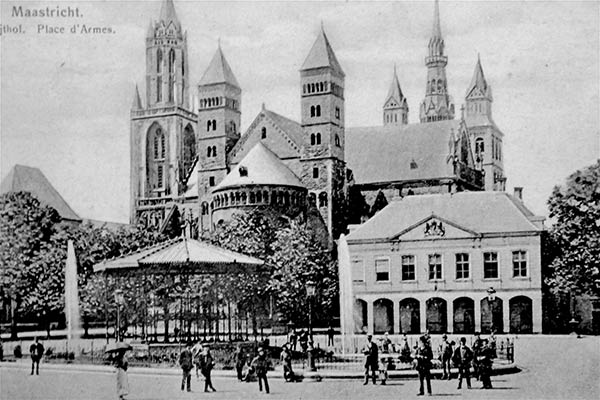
column 576, row 232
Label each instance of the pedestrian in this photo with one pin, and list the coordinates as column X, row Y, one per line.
column 492, row 343
column 186, row 363
column 196, row 351
column 261, row 365
column 293, row 339
column 423, row 356
column 206, row 365
column 386, row 343
column 371, row 352
column 330, row 334
column 303, row 339
column 36, row 350
column 386, row 364
column 477, row 343
column 121, row 365
column 286, row 360
column 446, row 355
column 462, row 358
column 239, row 359
column 485, row 364
column 405, row 350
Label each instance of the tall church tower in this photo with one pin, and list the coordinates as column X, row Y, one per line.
column 219, row 116
column 437, row 105
column 395, row 109
column 485, row 135
column 163, row 140
column 322, row 120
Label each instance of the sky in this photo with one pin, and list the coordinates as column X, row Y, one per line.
column 65, row 98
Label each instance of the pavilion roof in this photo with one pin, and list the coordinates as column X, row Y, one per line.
column 181, row 256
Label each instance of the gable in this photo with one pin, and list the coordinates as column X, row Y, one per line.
column 277, row 140
column 433, row 228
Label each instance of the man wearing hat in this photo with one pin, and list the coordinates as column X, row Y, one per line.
column 423, row 356
column 446, row 352
column 261, row 365
column 462, row 359
column 186, row 363
column 206, row 365
column 371, row 352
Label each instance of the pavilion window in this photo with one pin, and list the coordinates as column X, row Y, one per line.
column 382, row 270
column 519, row 259
column 358, row 271
column 408, row 268
column 435, row 267
column 462, row 266
column 490, row 265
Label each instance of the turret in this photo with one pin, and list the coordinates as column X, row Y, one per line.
column 395, row 108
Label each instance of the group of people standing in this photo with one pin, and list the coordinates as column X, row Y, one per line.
column 480, row 358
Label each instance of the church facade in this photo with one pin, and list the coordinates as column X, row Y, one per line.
column 190, row 159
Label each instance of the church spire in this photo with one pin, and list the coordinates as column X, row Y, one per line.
column 168, row 14
column 218, row 71
column 437, row 105
column 395, row 108
column 478, row 86
column 321, row 55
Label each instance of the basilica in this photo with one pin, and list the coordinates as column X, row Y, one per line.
column 190, row 158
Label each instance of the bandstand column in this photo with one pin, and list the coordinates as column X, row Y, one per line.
column 423, row 315
column 477, row 312
column 370, row 317
column 506, row 314
column 449, row 315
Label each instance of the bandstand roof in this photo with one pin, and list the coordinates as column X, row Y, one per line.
column 181, row 256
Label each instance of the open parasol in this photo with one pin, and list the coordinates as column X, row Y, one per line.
column 117, row 346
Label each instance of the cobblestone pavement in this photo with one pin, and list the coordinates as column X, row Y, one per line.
column 553, row 368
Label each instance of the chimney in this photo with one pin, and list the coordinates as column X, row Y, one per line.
column 519, row 193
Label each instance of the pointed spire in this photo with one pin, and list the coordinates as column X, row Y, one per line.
column 478, row 81
column 321, row 55
column 137, row 101
column 168, row 14
column 219, row 71
column 395, row 91
column 150, row 32
column 437, row 30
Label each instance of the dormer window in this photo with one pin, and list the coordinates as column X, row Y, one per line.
column 243, row 171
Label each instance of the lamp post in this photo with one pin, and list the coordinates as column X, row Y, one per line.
column 12, row 293
column 491, row 296
column 119, row 299
column 311, row 291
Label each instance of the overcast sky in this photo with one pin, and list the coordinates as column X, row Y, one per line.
column 65, row 98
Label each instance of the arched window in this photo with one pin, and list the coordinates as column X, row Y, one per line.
column 159, row 59
column 321, row 86
column 312, row 87
column 440, row 86
column 162, row 146
column 303, row 88
column 208, row 125
column 172, row 61
column 214, row 151
column 312, row 111
column 318, row 137
column 266, row 196
column 312, row 198
column 263, row 133
column 209, row 152
column 243, row 197
column 433, row 86
column 159, row 88
column 159, row 177
column 318, row 111
column 259, row 197
column 337, row 140
column 479, row 146
column 312, row 139
column 214, row 124
column 252, row 198
column 156, row 145
column 323, row 199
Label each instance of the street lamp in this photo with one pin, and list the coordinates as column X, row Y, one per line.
column 119, row 299
column 311, row 290
column 491, row 294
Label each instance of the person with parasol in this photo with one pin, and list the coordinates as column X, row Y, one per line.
column 116, row 352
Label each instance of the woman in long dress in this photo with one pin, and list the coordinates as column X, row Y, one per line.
column 121, row 365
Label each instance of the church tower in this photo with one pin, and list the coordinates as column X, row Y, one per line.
column 437, row 105
column 395, row 108
column 322, row 120
column 219, row 115
column 485, row 135
column 163, row 140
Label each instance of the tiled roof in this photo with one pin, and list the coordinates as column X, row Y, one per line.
column 28, row 179
column 292, row 128
column 322, row 55
column 183, row 253
column 219, row 71
column 262, row 167
column 401, row 152
column 480, row 212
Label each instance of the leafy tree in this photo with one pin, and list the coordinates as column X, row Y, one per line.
column 576, row 233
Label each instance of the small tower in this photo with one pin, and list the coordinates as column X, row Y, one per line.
column 395, row 108
column 485, row 135
column 437, row 105
column 162, row 140
column 323, row 165
column 219, row 115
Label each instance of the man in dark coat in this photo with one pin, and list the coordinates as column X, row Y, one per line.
column 330, row 334
column 261, row 365
column 485, row 364
column 293, row 339
column 423, row 356
column 37, row 352
column 303, row 339
column 462, row 359
column 206, row 365
column 186, row 362
column 446, row 354
column 286, row 359
column 477, row 344
column 239, row 358
column 371, row 352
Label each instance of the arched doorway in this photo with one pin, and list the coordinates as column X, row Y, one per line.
column 464, row 315
column 383, row 316
column 521, row 320
column 360, row 316
column 491, row 315
column 436, row 315
column 410, row 321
